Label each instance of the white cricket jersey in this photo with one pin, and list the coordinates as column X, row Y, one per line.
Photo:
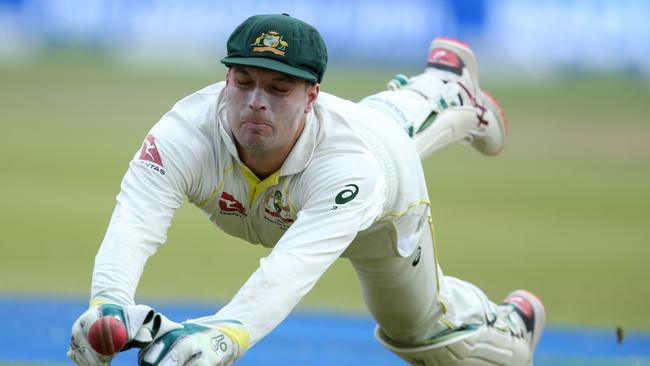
column 352, row 186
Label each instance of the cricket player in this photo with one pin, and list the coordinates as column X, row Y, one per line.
column 273, row 160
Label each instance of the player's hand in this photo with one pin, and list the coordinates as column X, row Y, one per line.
column 141, row 323
column 194, row 344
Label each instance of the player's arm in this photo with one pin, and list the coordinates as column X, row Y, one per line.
column 176, row 161
column 333, row 211
column 340, row 197
column 151, row 191
column 158, row 179
column 145, row 206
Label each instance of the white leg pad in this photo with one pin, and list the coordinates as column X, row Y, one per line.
column 484, row 346
column 435, row 112
column 452, row 125
column 406, row 107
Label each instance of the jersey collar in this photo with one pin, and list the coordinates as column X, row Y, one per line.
column 303, row 150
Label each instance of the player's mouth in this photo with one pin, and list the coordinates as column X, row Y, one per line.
column 256, row 126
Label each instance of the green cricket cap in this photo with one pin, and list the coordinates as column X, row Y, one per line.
column 280, row 43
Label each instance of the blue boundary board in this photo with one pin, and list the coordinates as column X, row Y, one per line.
column 36, row 330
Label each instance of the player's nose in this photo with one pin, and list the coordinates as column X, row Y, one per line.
column 257, row 99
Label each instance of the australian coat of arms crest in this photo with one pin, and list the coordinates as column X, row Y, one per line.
column 271, row 41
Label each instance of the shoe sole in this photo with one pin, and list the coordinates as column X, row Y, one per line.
column 538, row 310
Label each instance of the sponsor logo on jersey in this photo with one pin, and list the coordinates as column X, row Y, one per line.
column 418, row 255
column 149, row 155
column 230, row 205
column 347, row 195
column 271, row 41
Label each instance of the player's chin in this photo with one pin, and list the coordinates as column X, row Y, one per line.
column 255, row 141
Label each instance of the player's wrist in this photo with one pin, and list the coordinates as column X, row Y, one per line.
column 233, row 328
column 237, row 332
column 108, row 298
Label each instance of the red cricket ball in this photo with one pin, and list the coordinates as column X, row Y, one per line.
column 107, row 335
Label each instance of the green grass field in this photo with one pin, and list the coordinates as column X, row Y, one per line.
column 563, row 211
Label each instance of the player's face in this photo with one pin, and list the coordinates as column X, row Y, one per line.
column 267, row 109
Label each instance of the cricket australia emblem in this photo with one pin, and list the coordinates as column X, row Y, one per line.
column 276, row 211
column 271, row 41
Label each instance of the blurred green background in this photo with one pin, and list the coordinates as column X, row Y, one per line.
column 563, row 211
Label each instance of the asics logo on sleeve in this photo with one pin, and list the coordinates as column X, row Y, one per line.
column 347, row 195
column 418, row 255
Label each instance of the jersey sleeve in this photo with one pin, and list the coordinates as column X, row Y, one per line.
column 161, row 175
column 339, row 197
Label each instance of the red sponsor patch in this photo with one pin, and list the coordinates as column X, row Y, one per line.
column 229, row 203
column 441, row 56
column 149, row 151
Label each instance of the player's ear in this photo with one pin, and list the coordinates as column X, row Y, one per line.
column 312, row 95
column 228, row 75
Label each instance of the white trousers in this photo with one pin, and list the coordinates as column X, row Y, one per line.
column 409, row 297
column 412, row 301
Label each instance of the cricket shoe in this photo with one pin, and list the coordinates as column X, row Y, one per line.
column 529, row 309
column 455, row 63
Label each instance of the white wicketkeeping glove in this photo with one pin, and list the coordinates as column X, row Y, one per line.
column 143, row 324
column 196, row 345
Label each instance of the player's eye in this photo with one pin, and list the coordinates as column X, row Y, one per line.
column 243, row 82
column 280, row 90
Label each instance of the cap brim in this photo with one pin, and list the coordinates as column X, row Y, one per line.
column 270, row 64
